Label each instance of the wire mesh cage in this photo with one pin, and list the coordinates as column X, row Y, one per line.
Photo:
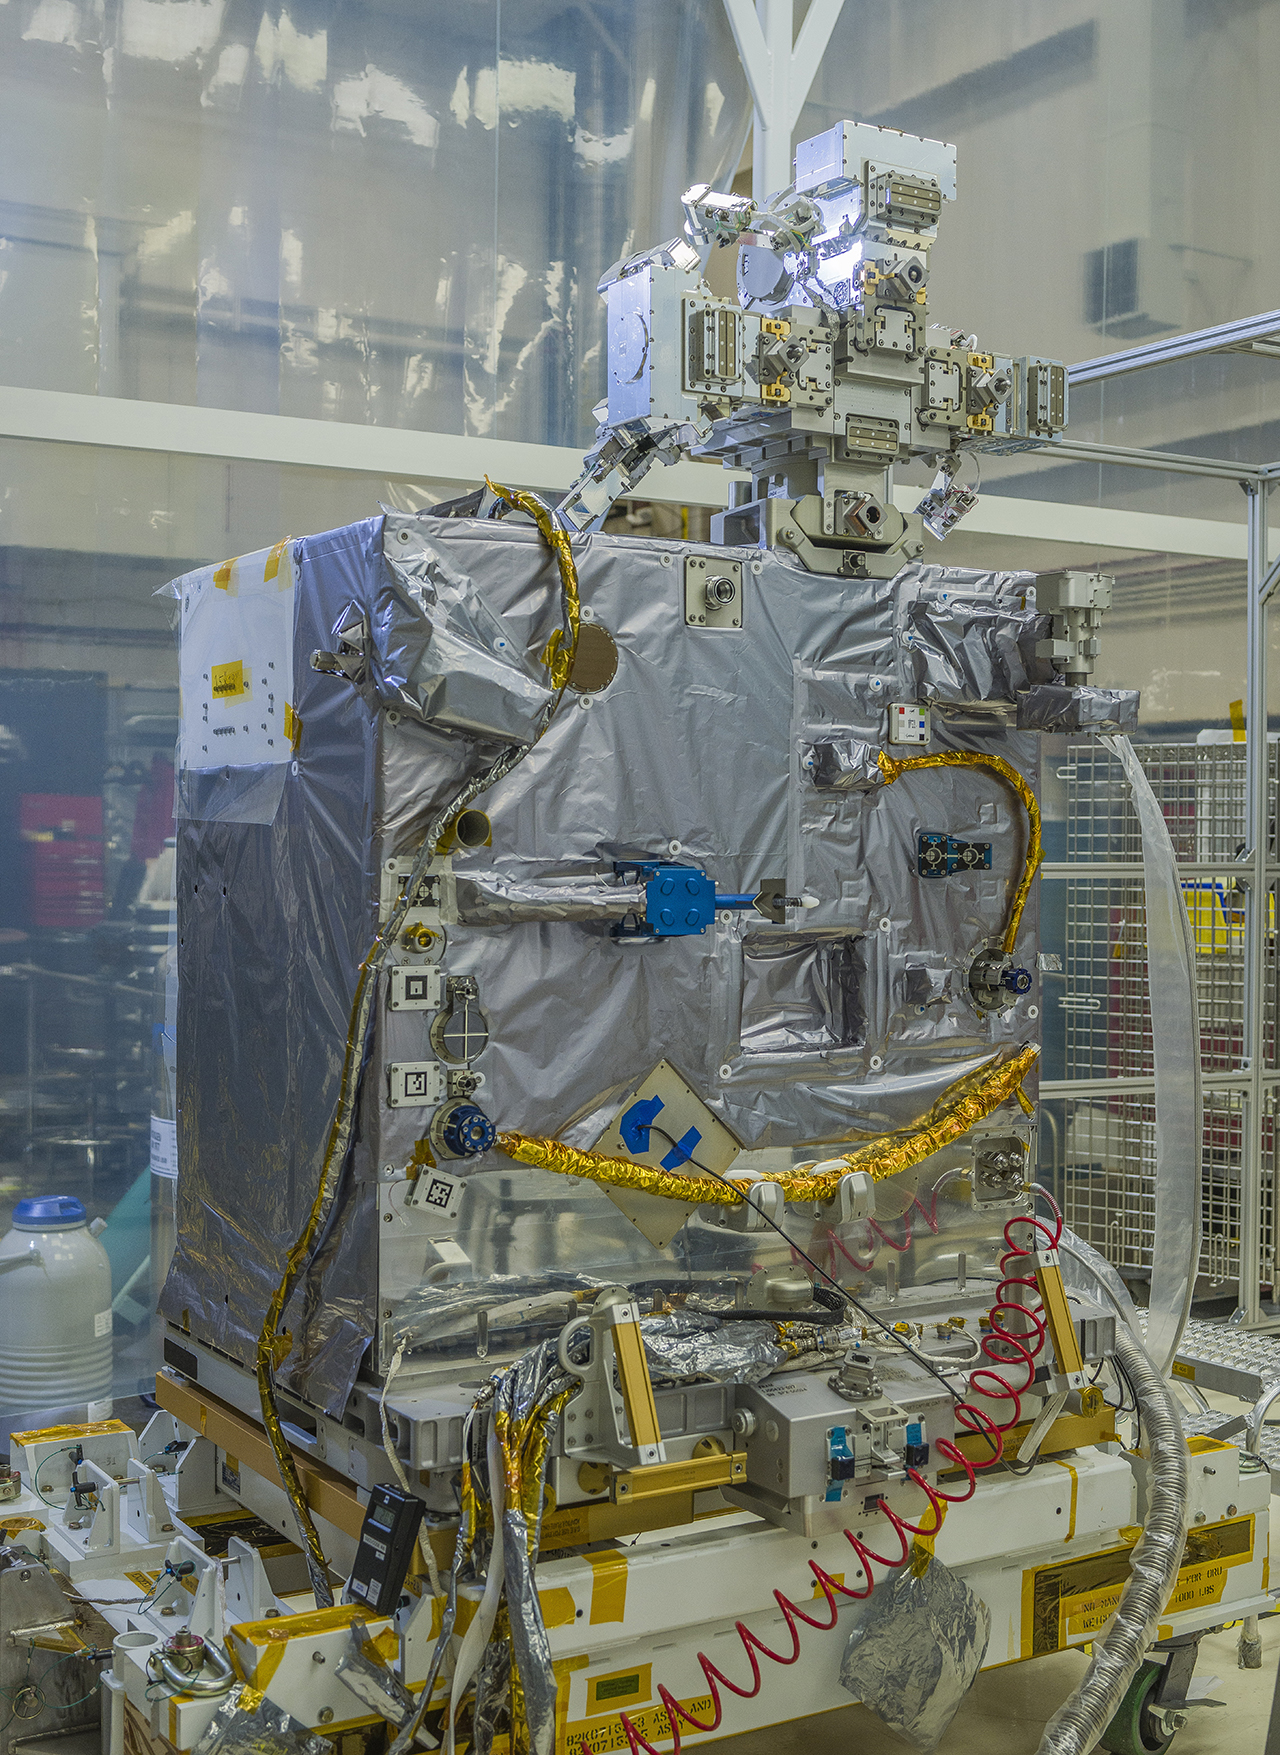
column 1106, row 1174
column 1103, row 1147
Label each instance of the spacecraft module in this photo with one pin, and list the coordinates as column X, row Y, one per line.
column 610, row 1262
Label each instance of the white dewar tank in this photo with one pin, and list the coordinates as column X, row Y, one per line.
column 55, row 1310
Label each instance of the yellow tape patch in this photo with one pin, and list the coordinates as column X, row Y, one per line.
column 1075, row 1491
column 223, row 577
column 272, row 567
column 608, row 1587
column 86, row 1429
column 558, row 1607
column 292, row 726
column 229, row 681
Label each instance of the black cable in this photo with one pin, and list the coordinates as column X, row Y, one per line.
column 1133, row 1396
column 901, row 1340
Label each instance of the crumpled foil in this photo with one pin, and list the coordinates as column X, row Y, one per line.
column 967, row 638
column 492, row 899
column 440, row 654
column 246, row 1723
column 914, row 1649
column 434, row 1313
column 845, row 764
column 685, row 1347
column 372, row 1683
column 1057, row 707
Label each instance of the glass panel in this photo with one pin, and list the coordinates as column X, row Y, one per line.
column 88, row 716
column 361, row 213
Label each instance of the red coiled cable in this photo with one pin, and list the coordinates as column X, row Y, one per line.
column 938, row 1500
column 751, row 1643
column 929, row 1214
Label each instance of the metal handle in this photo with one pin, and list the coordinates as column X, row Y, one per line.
column 32, row 1258
column 191, row 1682
column 562, row 1344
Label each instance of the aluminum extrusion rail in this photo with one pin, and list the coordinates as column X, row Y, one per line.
column 1222, row 468
column 1175, row 347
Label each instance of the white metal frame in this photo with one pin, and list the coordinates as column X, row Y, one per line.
column 1257, row 868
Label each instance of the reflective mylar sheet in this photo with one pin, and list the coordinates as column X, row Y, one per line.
column 391, row 214
column 849, row 1020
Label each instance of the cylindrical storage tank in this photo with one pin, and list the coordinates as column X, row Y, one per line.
column 55, row 1310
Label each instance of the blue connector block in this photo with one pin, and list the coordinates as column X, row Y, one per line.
column 916, row 1452
column 678, row 900
column 841, row 1466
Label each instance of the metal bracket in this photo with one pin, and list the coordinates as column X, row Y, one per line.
column 593, row 1415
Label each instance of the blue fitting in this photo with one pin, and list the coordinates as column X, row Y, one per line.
column 468, row 1131
column 679, row 900
column 1016, row 980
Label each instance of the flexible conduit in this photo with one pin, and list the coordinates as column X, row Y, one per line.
column 1081, row 1720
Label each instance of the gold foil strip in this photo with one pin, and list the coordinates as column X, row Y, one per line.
column 557, row 655
column 617, row 1172
column 969, row 1100
column 273, row 1348
column 892, row 766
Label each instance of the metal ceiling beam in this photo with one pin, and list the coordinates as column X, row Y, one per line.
column 779, row 74
column 1177, row 462
column 1174, row 347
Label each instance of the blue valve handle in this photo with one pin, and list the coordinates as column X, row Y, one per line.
column 680, row 900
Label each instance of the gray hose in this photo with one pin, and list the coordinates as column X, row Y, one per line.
column 1078, row 1723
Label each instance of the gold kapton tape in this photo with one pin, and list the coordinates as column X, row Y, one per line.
column 894, row 766
column 969, row 1100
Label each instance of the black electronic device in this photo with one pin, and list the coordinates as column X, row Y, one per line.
column 387, row 1536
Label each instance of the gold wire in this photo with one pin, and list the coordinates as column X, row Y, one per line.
column 892, row 766
column 556, row 655
column 274, row 1348
column 969, row 1099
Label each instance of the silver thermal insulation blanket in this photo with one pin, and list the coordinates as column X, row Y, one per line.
column 297, row 784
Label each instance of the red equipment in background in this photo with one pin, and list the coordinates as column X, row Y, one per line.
column 66, row 880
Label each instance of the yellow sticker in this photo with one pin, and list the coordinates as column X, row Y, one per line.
column 229, row 681
column 605, row 1735
column 292, row 725
column 620, row 1689
column 1180, row 1369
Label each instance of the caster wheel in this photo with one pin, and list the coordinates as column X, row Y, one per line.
column 1135, row 1729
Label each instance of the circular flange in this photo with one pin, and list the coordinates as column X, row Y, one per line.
column 596, row 662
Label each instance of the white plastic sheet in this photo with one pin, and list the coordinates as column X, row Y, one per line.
column 1175, row 1034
